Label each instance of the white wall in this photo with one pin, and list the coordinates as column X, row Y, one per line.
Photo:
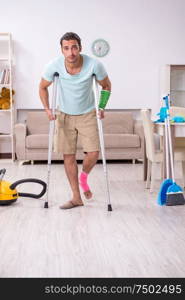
column 143, row 36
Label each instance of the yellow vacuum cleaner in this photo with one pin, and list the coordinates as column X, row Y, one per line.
column 9, row 194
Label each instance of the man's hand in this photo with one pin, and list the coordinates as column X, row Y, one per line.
column 50, row 115
column 101, row 114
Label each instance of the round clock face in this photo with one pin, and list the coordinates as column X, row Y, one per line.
column 100, row 47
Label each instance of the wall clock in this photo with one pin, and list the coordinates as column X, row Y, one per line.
column 100, row 47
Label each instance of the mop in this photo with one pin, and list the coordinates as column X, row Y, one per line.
column 174, row 192
column 102, row 105
column 51, row 134
column 161, row 200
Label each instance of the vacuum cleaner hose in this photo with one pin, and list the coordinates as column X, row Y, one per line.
column 13, row 186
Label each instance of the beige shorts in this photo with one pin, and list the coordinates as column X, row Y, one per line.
column 70, row 128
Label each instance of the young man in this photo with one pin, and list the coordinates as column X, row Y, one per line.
column 77, row 116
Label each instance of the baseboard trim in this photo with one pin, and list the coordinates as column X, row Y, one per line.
column 5, row 155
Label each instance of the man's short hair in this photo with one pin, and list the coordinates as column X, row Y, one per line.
column 71, row 36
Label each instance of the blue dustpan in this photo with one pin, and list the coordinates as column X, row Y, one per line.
column 162, row 195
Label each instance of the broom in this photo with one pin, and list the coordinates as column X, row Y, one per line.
column 161, row 200
column 174, row 194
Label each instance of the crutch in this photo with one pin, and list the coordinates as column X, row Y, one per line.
column 51, row 134
column 100, row 130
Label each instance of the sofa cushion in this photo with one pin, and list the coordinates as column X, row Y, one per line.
column 122, row 140
column 36, row 141
column 118, row 122
column 37, row 123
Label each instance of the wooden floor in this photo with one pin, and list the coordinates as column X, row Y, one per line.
column 138, row 238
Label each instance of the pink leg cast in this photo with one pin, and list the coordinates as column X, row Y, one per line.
column 84, row 185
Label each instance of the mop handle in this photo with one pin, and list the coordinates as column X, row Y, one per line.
column 102, row 145
column 170, row 143
column 166, row 140
column 167, row 149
